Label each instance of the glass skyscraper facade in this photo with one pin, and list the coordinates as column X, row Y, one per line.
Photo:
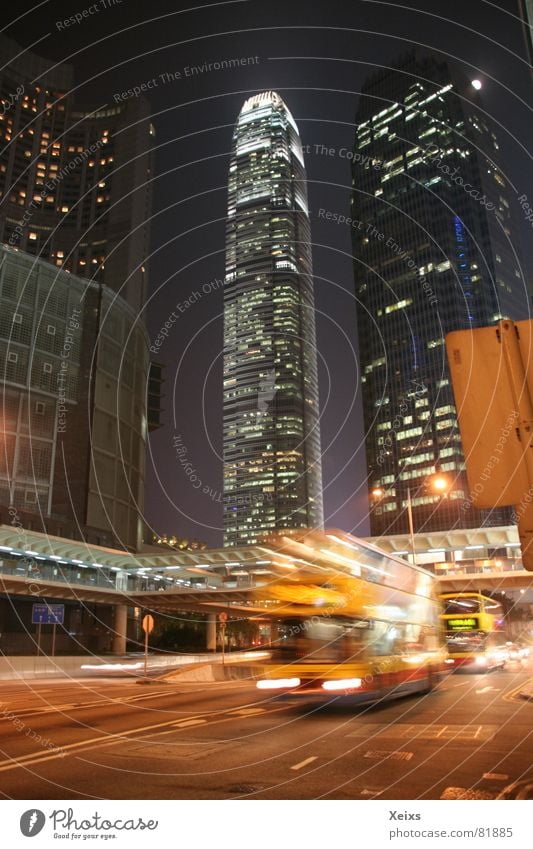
column 272, row 471
column 435, row 250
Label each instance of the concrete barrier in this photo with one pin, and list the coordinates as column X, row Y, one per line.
column 28, row 667
column 204, row 672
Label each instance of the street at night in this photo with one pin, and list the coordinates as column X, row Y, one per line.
column 470, row 738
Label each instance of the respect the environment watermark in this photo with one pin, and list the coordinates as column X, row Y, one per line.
column 186, row 72
column 88, row 12
column 49, row 186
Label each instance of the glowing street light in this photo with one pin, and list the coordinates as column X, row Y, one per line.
column 438, row 482
column 477, row 84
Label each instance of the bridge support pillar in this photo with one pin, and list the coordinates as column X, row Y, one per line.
column 211, row 632
column 120, row 627
column 274, row 633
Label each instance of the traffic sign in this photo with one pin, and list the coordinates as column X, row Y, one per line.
column 492, row 376
column 48, row 614
column 489, row 407
column 148, row 624
column 223, row 617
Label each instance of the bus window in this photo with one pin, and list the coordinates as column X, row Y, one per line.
column 461, row 606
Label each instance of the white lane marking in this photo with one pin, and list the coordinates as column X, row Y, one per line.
column 495, row 776
column 247, row 712
column 185, row 723
column 395, row 756
column 95, row 743
column 366, row 792
column 304, row 763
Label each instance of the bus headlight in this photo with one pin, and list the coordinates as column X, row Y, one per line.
column 277, row 683
column 481, row 661
column 342, row 684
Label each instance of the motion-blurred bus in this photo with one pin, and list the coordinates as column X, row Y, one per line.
column 348, row 619
column 475, row 631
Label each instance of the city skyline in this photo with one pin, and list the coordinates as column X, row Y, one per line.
column 258, row 262
column 189, row 183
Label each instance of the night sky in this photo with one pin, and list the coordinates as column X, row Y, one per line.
column 316, row 55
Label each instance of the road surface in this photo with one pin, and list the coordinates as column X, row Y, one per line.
column 102, row 739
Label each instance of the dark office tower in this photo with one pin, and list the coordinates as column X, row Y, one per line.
column 74, row 182
column 526, row 11
column 434, row 248
column 272, row 472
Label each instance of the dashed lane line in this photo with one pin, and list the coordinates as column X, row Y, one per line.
column 59, row 752
column 247, row 712
column 98, row 703
column 304, row 763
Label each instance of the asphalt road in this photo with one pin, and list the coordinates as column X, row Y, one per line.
column 107, row 739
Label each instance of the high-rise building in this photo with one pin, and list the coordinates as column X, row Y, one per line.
column 75, row 202
column 272, row 471
column 74, row 368
column 525, row 8
column 435, row 250
column 75, row 183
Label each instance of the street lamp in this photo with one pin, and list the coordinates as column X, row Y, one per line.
column 438, row 482
column 378, row 493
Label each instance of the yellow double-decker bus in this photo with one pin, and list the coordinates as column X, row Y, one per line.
column 475, row 631
column 348, row 619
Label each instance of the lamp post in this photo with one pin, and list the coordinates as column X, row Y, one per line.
column 440, row 485
column 411, row 524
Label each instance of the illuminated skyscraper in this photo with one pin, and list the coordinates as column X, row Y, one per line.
column 435, row 250
column 272, row 472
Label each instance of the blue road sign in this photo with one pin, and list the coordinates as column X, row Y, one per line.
column 47, row 614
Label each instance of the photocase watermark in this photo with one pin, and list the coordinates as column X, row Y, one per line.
column 436, row 156
column 181, row 308
column 15, row 520
column 32, row 822
column 493, row 461
column 88, row 12
column 66, row 820
column 65, row 824
column 238, row 499
column 9, row 101
column 50, row 185
column 187, row 72
column 22, row 728
column 62, row 409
